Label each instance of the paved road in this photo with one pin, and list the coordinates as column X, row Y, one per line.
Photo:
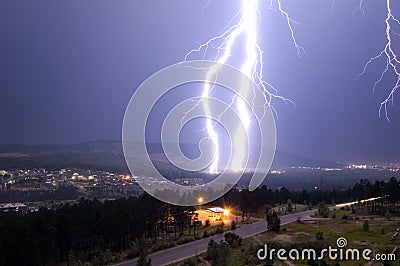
column 191, row 249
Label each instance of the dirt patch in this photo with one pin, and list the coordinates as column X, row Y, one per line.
column 361, row 243
column 283, row 238
column 302, row 234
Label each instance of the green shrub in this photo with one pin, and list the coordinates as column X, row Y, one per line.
column 103, row 258
column 218, row 253
column 233, row 239
column 388, row 216
column 273, row 222
column 185, row 240
column 289, row 205
column 366, row 225
column 233, row 225
column 219, row 229
column 193, row 261
column 346, row 217
column 207, row 223
column 323, row 209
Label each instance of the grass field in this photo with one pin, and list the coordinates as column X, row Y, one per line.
column 295, row 235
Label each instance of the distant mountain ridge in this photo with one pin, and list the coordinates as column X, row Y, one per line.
column 106, row 153
column 87, row 147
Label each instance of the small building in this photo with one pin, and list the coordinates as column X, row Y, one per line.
column 13, row 207
column 217, row 212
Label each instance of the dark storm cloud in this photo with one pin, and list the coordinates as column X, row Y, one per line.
column 68, row 69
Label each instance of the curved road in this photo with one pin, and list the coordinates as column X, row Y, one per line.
column 191, row 249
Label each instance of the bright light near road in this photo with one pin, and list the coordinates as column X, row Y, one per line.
column 360, row 201
column 126, row 178
column 200, row 200
column 226, row 212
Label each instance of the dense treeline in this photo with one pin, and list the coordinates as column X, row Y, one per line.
column 80, row 230
column 87, row 227
column 299, row 179
column 251, row 201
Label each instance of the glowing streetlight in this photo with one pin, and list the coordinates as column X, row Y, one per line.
column 200, row 200
column 226, row 212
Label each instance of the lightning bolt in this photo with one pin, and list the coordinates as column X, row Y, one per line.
column 247, row 26
column 392, row 60
column 360, row 8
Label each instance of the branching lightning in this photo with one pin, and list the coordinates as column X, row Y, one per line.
column 245, row 23
column 360, row 8
column 247, row 26
column 392, row 60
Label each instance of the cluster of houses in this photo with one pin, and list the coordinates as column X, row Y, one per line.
column 13, row 207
